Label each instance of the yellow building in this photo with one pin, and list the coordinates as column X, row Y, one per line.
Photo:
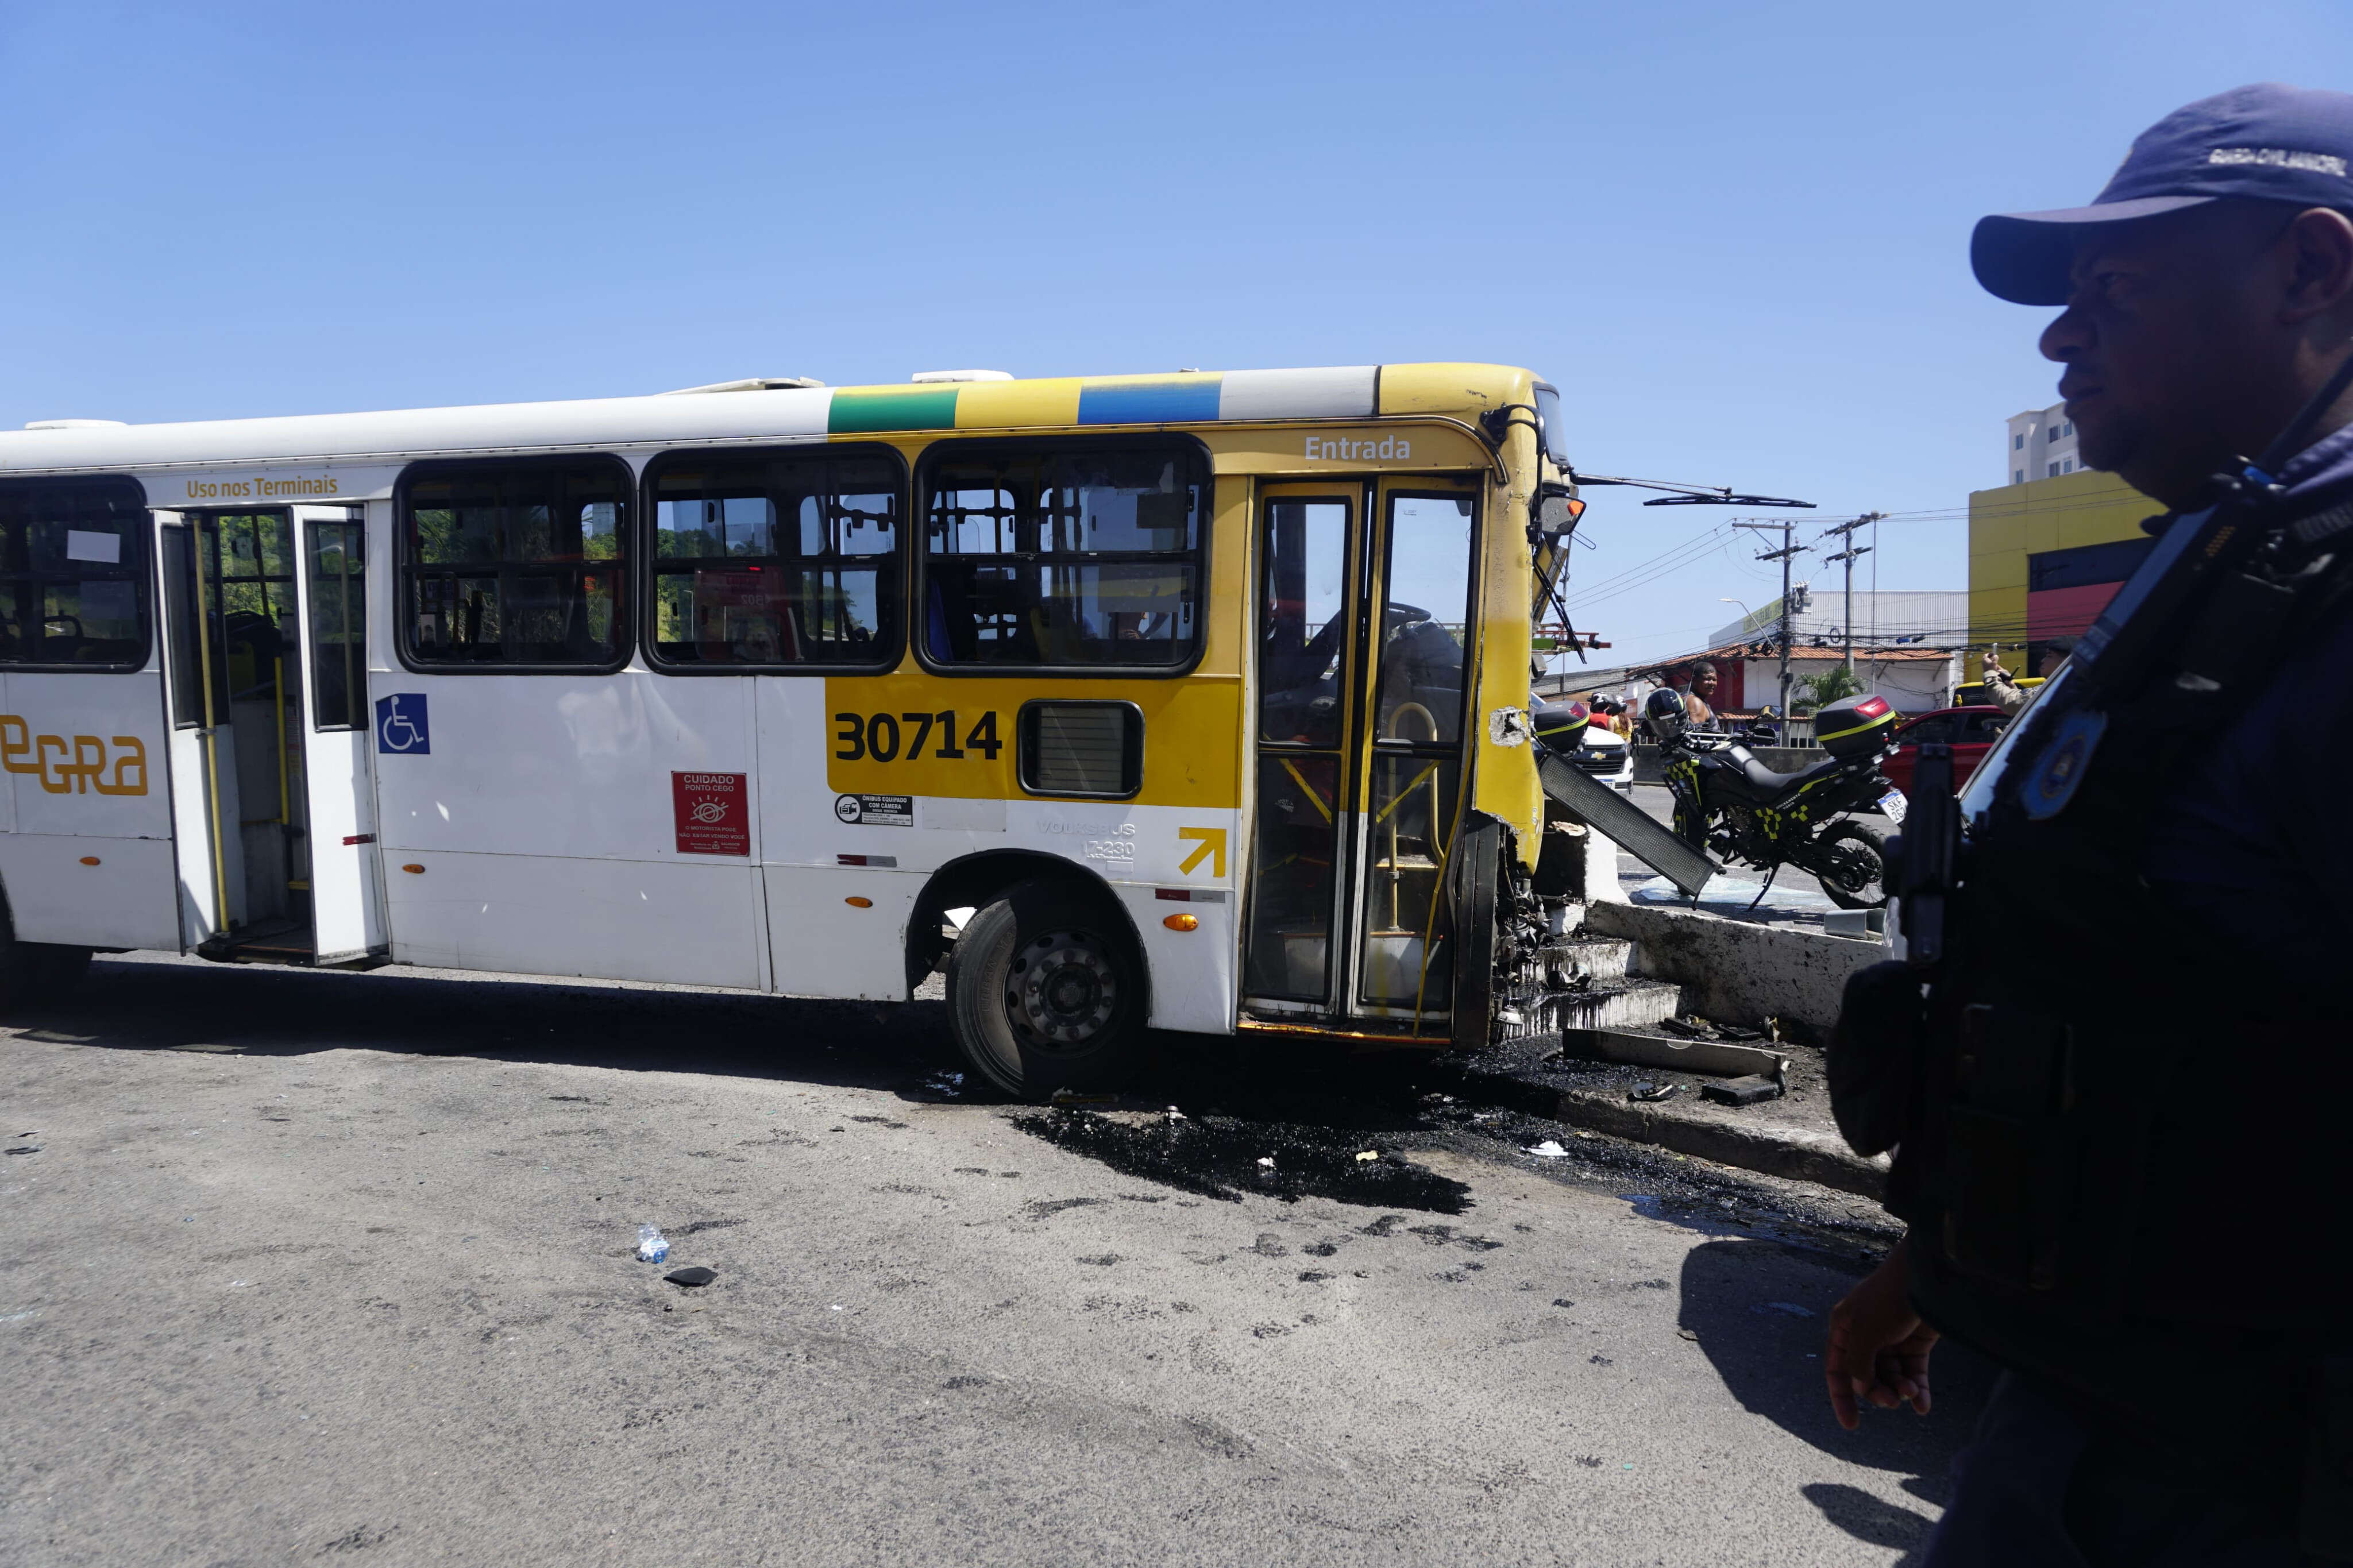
column 2045, row 557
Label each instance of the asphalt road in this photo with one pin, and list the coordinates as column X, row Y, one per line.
column 310, row 1265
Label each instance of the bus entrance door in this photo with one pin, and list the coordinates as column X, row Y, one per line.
column 1361, row 672
column 347, row 891
column 267, row 681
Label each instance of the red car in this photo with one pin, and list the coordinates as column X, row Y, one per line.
column 1970, row 731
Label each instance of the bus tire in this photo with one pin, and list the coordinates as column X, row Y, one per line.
column 1477, row 865
column 1045, row 994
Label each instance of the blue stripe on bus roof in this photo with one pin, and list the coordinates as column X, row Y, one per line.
column 1150, row 402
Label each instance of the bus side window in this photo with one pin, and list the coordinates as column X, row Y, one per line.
column 73, row 580
column 776, row 560
column 1074, row 557
column 515, row 564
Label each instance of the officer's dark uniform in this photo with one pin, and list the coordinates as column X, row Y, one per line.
column 2118, row 1144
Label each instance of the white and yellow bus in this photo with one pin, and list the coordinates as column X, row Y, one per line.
column 1194, row 702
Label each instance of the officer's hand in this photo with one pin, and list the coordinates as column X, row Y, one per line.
column 1878, row 1347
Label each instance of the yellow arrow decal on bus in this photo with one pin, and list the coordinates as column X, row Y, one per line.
column 1213, row 848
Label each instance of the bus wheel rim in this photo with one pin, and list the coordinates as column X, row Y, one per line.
column 1065, row 991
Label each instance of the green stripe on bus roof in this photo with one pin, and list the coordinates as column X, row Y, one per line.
column 917, row 408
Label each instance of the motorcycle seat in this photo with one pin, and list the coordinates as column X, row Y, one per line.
column 1753, row 778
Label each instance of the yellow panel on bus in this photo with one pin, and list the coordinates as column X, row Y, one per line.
column 910, row 733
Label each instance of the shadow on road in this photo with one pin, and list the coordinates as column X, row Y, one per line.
column 239, row 1011
column 1760, row 1311
column 1867, row 1518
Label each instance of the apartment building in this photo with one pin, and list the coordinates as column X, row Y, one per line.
column 2042, row 445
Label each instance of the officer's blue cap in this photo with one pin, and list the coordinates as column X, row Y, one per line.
column 2269, row 142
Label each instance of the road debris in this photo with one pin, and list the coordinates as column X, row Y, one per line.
column 1748, row 1090
column 652, row 1245
column 1651, row 1093
column 1688, row 1055
column 1219, row 1156
column 694, row 1274
column 1549, row 1149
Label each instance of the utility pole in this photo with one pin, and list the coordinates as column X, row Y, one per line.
column 1783, row 555
column 1846, row 531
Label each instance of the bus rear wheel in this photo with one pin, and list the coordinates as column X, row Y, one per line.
column 1045, row 994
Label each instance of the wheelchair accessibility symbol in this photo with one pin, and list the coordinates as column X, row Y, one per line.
column 400, row 724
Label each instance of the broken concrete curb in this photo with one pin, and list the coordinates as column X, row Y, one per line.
column 1780, row 1150
column 1734, row 969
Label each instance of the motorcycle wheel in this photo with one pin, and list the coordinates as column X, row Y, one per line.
column 1850, row 863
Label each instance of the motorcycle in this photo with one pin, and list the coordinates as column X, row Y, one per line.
column 1731, row 806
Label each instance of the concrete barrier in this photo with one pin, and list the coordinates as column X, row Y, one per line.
column 1736, row 972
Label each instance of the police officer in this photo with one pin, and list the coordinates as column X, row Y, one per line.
column 2124, row 1182
column 2003, row 688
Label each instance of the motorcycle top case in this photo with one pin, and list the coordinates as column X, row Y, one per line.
column 1854, row 726
column 1561, row 725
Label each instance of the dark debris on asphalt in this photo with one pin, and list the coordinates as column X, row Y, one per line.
column 1313, row 1112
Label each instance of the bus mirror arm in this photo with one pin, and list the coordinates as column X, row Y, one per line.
column 1498, row 422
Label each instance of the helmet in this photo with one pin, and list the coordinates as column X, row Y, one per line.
column 1664, row 709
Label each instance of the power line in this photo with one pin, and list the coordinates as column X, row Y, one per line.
column 1696, row 541
column 1685, row 555
column 1689, row 553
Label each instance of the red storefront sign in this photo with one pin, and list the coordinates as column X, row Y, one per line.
column 712, row 813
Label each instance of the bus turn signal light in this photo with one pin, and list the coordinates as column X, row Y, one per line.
column 416, row 870
column 854, row 903
column 90, row 859
column 1182, row 922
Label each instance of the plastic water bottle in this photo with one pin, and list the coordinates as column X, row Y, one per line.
column 652, row 1245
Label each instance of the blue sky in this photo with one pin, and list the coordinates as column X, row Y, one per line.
column 1735, row 235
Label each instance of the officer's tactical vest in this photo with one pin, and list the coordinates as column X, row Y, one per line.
column 2126, row 1165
